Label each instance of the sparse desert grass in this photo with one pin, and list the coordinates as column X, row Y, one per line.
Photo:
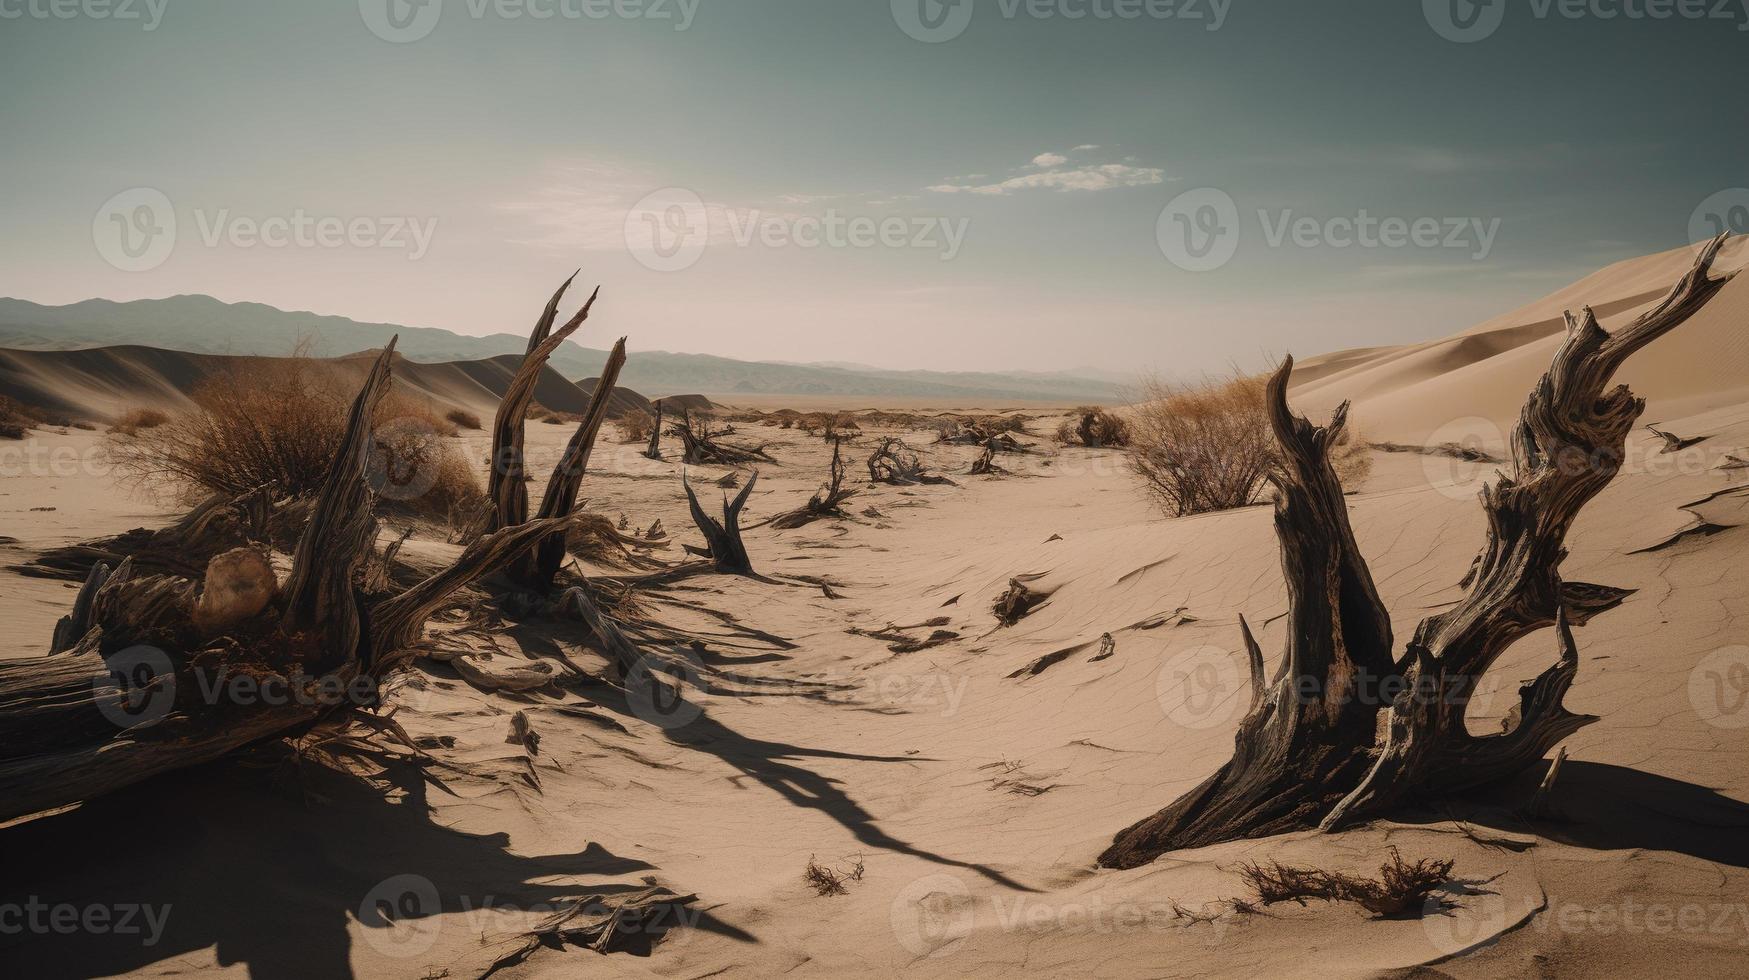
column 279, row 426
column 1208, row 446
column 1093, row 427
column 635, row 426
column 462, row 419
column 828, row 881
column 131, row 422
column 16, row 419
column 1400, row 887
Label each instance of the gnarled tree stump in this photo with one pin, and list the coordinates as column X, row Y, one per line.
column 1312, row 751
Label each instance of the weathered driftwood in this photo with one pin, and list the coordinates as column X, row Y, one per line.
column 1313, row 750
column 701, row 445
column 895, row 463
column 560, row 497
column 723, row 545
column 149, row 687
column 507, row 481
column 654, row 450
column 1673, row 443
column 828, row 501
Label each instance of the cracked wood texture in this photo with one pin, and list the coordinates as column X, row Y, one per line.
column 1310, row 752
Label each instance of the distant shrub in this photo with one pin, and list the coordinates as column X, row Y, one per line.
column 635, row 426
column 16, row 418
column 279, row 425
column 461, row 419
column 131, row 422
column 1093, row 427
column 1209, row 446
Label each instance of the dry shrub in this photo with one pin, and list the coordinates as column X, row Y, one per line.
column 1093, row 427
column 278, row 425
column 828, row 881
column 635, row 426
column 16, row 418
column 1400, row 886
column 461, row 419
column 131, row 422
column 1209, row 446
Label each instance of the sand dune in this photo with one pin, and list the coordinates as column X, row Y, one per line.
column 1409, row 394
column 102, row 383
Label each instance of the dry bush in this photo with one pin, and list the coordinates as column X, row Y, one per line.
column 131, row 422
column 1208, row 446
column 635, row 426
column 462, row 419
column 827, row 881
column 278, row 425
column 16, row 418
column 1093, row 427
column 1400, row 886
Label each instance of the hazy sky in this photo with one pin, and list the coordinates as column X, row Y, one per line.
column 904, row 183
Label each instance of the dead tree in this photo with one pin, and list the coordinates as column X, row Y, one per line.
column 654, row 450
column 826, row 502
column 1313, row 751
column 895, row 463
column 507, row 483
column 560, row 497
column 723, row 545
column 702, row 448
column 149, row 685
column 985, row 464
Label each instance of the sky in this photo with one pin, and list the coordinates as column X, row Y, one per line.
column 1129, row 185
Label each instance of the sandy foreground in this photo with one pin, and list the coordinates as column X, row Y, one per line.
column 973, row 782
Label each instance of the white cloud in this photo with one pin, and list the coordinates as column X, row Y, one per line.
column 1049, row 160
column 1094, row 177
column 1084, row 147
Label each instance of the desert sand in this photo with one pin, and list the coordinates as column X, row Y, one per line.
column 974, row 782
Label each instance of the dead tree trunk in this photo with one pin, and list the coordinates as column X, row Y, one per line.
column 561, row 492
column 507, row 483
column 828, row 501
column 654, row 450
column 149, row 687
column 1310, row 751
column 723, row 540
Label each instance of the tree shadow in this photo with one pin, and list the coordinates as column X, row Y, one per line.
column 240, row 866
column 1611, row 808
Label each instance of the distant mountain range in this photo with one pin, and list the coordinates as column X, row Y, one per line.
column 202, row 324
